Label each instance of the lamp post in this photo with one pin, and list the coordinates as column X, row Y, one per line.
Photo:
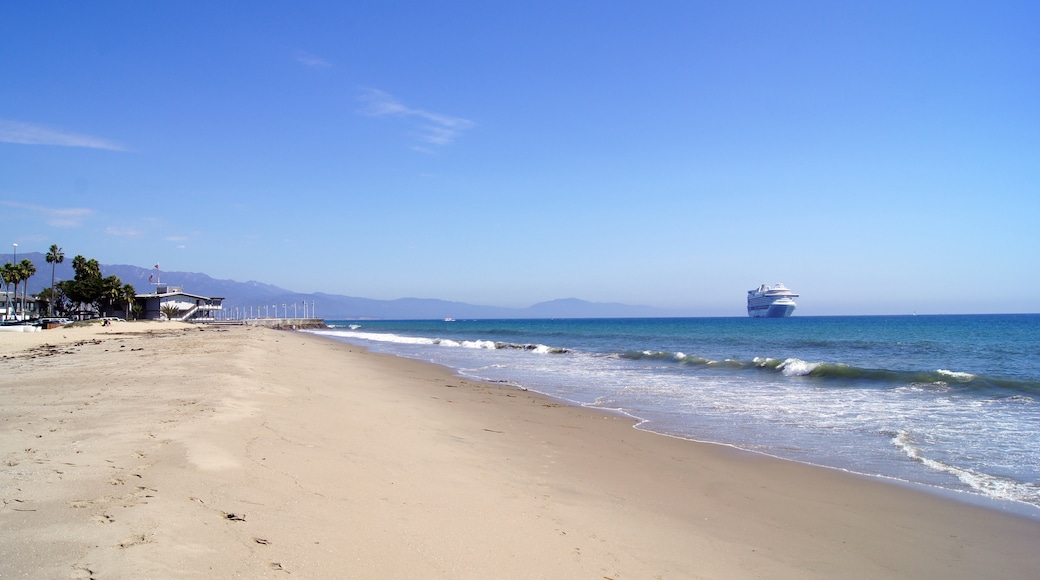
column 15, row 262
column 285, row 311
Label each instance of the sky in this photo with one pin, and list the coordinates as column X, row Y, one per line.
column 876, row 157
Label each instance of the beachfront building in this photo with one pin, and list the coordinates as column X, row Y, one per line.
column 14, row 308
column 7, row 303
column 172, row 302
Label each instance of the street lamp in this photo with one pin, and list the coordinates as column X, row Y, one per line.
column 16, row 285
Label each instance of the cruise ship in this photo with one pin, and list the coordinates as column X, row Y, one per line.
column 770, row 301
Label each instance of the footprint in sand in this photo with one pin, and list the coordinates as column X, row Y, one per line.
column 138, row 497
column 134, row 540
column 104, row 519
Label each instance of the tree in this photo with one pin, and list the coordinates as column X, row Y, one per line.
column 78, row 264
column 88, row 287
column 55, row 256
column 9, row 274
column 128, row 294
column 26, row 270
column 171, row 310
column 57, row 303
column 12, row 275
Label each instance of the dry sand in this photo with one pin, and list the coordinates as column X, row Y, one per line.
column 161, row 450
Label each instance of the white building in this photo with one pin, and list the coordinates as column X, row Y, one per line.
column 189, row 307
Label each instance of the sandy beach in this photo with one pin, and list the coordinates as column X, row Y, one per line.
column 161, row 450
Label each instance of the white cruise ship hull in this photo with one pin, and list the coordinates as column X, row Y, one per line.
column 782, row 308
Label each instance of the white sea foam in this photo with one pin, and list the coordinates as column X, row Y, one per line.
column 380, row 337
column 418, row 340
column 936, row 387
column 956, row 375
column 794, row 367
column 990, row 485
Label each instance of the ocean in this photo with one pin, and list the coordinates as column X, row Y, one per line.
column 950, row 402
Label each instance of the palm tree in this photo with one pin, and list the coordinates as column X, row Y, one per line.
column 127, row 293
column 7, row 272
column 13, row 275
column 27, row 270
column 79, row 263
column 171, row 310
column 55, row 256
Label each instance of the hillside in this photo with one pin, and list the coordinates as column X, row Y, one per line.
column 334, row 306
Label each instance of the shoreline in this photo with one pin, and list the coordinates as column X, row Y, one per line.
column 807, row 393
column 172, row 450
column 999, row 505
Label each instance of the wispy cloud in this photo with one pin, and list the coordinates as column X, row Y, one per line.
column 309, row 60
column 29, row 134
column 434, row 128
column 62, row 217
column 124, row 232
column 179, row 240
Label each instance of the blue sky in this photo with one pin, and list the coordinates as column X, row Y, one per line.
column 877, row 158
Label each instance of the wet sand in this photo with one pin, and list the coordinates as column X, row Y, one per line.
column 170, row 450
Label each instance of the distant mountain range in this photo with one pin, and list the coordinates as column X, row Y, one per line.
column 334, row 306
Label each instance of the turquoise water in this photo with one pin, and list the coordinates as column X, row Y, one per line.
column 947, row 401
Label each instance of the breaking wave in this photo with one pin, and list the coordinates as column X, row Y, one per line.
column 794, row 367
column 476, row 344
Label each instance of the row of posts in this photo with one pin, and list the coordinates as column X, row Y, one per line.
column 264, row 311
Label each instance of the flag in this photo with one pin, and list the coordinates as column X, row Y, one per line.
column 157, row 266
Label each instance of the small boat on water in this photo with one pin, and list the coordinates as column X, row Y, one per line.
column 771, row 301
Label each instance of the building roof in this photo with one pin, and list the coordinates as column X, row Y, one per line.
column 179, row 293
